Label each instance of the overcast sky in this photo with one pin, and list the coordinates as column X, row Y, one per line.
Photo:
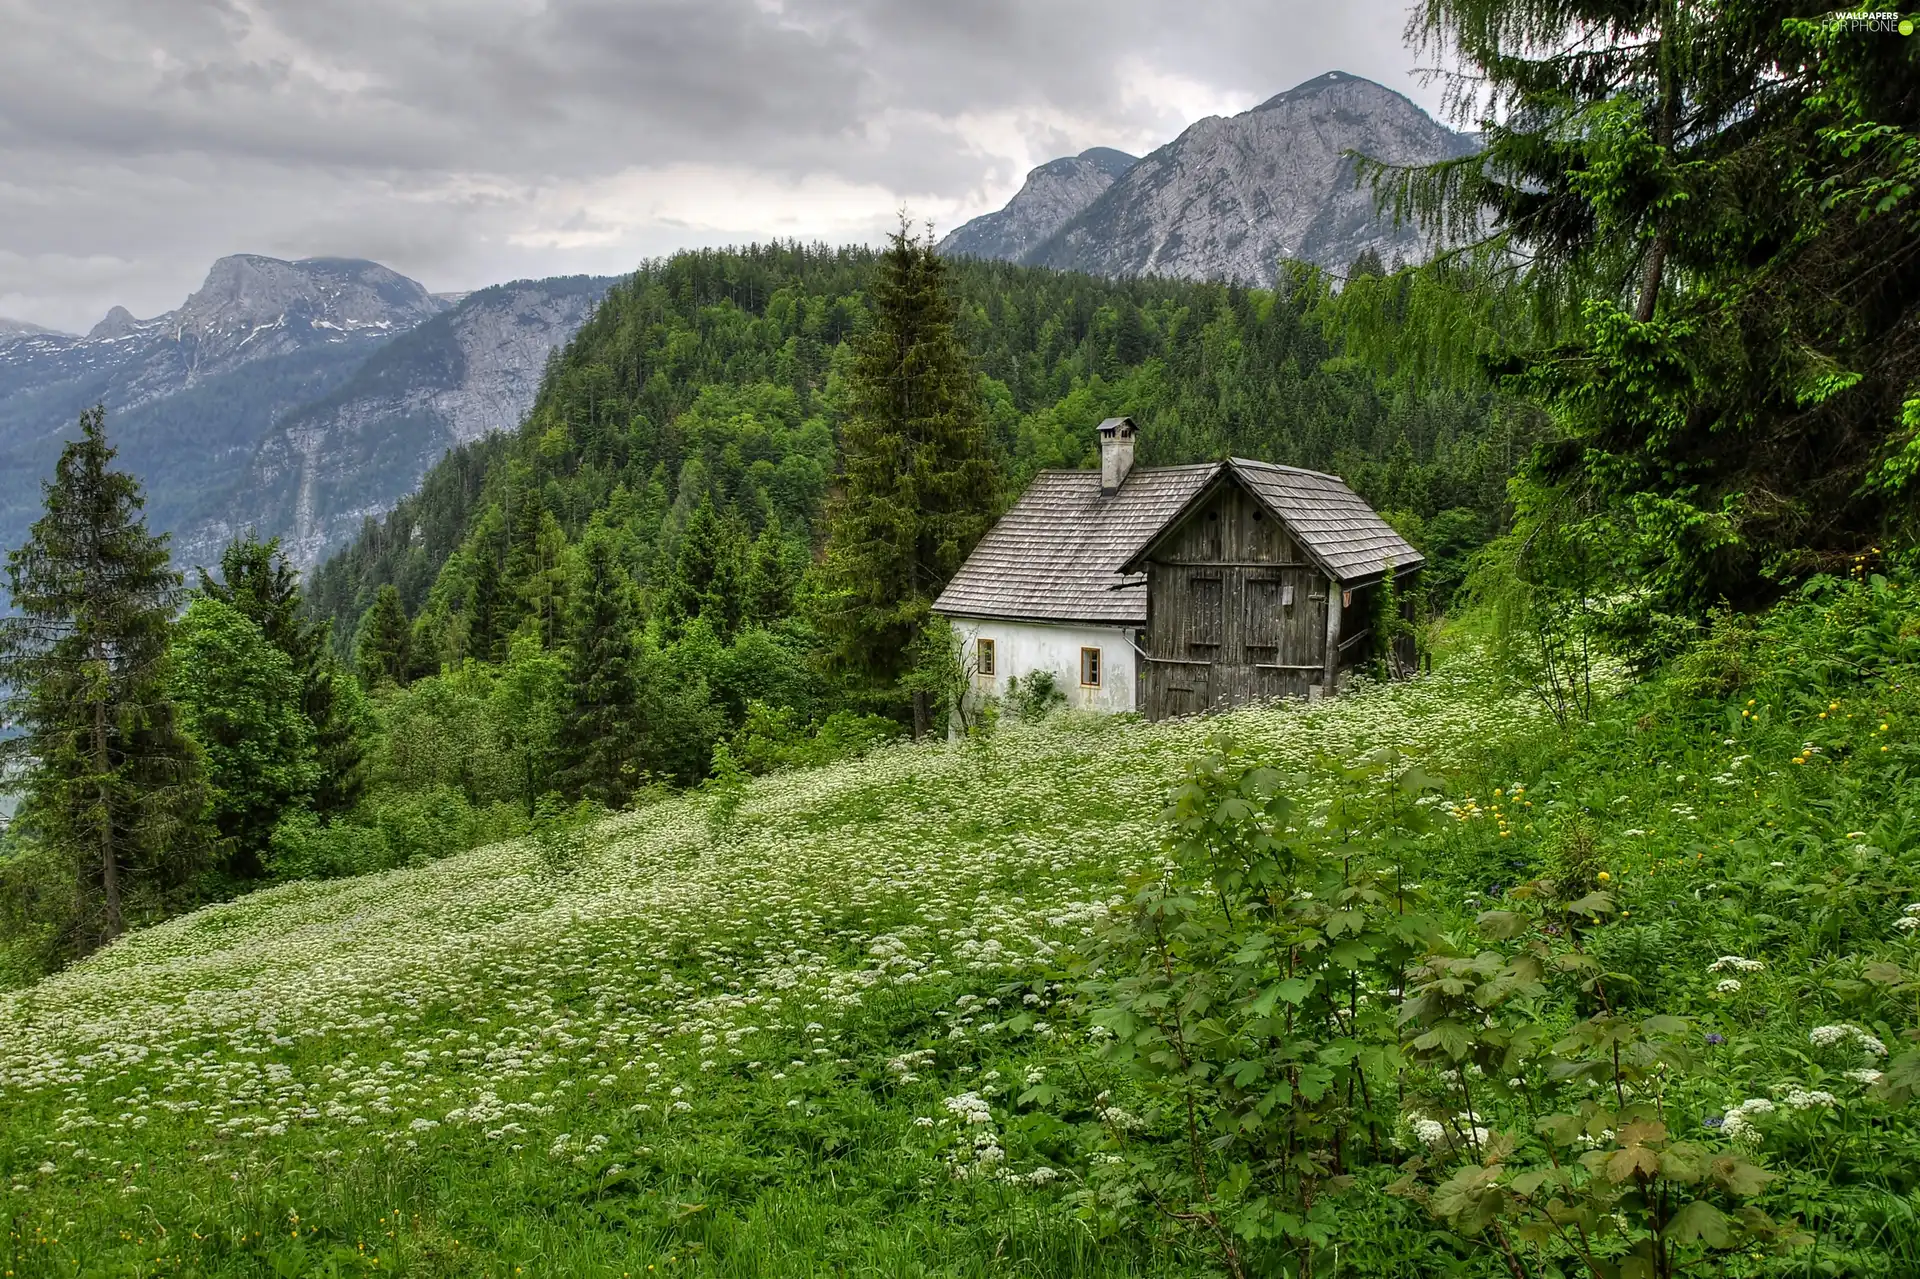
column 465, row 142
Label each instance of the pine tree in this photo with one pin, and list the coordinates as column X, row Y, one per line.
column 257, row 579
column 381, row 652
column 599, row 741
column 112, row 782
column 770, row 580
column 535, row 574
column 1692, row 239
column 485, row 606
column 707, row 573
column 919, row 483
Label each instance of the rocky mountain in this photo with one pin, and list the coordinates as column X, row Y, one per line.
column 326, row 466
column 10, row 329
column 1230, row 198
column 196, row 398
column 1052, row 194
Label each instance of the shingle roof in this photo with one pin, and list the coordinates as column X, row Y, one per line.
column 1056, row 556
column 1331, row 521
column 1061, row 553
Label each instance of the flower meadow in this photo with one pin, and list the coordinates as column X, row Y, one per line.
column 692, row 1021
column 875, row 1018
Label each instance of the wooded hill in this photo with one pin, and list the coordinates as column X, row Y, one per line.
column 717, row 377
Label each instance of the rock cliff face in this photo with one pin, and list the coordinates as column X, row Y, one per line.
column 196, row 398
column 1230, row 198
column 328, row 465
column 1053, row 193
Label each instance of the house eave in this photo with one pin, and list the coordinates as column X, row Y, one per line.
column 1096, row 623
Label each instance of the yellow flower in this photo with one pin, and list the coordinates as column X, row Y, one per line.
column 1604, row 877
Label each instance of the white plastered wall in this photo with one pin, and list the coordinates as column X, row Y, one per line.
column 1021, row 648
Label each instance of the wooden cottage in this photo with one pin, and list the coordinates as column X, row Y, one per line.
column 1173, row 590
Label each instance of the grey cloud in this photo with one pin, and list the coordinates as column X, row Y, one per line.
column 431, row 134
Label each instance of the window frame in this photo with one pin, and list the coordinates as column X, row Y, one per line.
column 986, row 656
column 1097, row 667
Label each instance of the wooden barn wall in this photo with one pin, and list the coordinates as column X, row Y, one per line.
column 1234, row 611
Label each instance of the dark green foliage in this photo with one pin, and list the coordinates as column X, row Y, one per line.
column 115, row 797
column 1696, row 247
column 381, row 652
column 600, row 738
column 919, row 484
column 240, row 697
column 708, row 577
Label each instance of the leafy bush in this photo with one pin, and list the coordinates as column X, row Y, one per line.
column 773, row 738
column 1036, row 695
column 393, row 830
column 1656, row 1035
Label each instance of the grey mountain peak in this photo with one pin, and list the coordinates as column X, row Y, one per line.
column 294, row 397
column 1231, row 197
column 1053, row 193
column 25, row 328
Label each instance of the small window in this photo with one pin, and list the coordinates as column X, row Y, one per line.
column 1090, row 668
column 983, row 656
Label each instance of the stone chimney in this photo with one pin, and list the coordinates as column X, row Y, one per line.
column 1116, row 453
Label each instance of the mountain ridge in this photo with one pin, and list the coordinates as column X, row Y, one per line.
column 1052, row 193
column 1232, row 196
column 196, row 394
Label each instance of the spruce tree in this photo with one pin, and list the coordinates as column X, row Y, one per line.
column 1693, row 234
column 257, row 579
column 918, row 485
column 488, row 623
column 113, row 784
column 382, row 650
column 770, row 578
column 707, row 573
column 599, row 740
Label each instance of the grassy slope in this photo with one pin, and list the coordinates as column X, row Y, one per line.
column 699, row 1050
column 713, row 1012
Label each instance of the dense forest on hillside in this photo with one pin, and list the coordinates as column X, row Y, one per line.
column 719, row 376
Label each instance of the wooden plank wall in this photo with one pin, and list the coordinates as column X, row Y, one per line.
column 1234, row 611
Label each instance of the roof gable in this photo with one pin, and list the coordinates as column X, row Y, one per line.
column 1065, row 552
column 1336, row 529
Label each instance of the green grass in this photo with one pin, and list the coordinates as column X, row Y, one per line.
column 321, row 1073
column 729, row 1048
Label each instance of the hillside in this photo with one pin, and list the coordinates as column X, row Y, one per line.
column 326, row 466
column 718, row 376
column 688, row 1017
column 832, row 1020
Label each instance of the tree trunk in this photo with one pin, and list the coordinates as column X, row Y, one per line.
column 1650, row 279
column 1665, row 131
column 922, row 714
column 109, row 869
